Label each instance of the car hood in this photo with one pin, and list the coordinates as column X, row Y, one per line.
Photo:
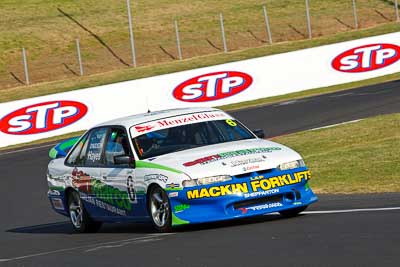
column 231, row 158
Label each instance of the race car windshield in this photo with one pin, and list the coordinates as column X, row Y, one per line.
column 189, row 136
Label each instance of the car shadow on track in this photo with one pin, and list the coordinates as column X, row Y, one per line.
column 232, row 223
column 135, row 228
column 66, row 228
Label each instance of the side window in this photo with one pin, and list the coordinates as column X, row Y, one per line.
column 94, row 147
column 117, row 145
column 81, row 158
column 73, row 157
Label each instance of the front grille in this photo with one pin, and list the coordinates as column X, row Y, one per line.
column 257, row 201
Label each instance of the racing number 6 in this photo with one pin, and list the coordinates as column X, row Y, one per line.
column 231, row 123
column 131, row 189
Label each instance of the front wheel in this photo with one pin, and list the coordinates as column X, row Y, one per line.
column 79, row 217
column 292, row 212
column 160, row 209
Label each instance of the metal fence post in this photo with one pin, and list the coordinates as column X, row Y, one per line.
column 267, row 26
column 178, row 40
column 355, row 14
column 131, row 34
column 78, row 51
column 25, row 62
column 308, row 19
column 396, row 6
column 221, row 20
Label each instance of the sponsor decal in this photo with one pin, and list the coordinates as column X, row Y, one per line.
column 265, row 206
column 212, row 86
column 103, row 205
column 246, row 161
column 177, row 121
column 307, row 187
column 81, row 181
column 159, row 177
column 54, row 192
column 172, row 186
column 173, row 194
column 43, row 117
column 251, row 168
column 145, row 128
column 112, row 196
column 222, row 156
column 103, row 195
column 257, row 185
column 367, row 58
column 57, row 203
column 262, row 193
column 181, row 207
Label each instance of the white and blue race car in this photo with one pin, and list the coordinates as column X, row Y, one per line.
column 172, row 168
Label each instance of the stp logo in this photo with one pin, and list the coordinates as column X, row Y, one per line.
column 367, row 58
column 213, row 86
column 43, row 117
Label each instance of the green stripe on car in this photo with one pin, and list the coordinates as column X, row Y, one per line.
column 149, row 165
column 178, row 221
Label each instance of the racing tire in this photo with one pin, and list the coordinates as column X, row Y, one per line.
column 159, row 208
column 292, row 212
column 79, row 217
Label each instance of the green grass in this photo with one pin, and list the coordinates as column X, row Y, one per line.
column 361, row 157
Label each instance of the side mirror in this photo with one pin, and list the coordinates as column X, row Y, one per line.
column 259, row 133
column 125, row 160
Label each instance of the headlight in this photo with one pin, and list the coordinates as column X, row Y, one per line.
column 291, row 165
column 207, row 180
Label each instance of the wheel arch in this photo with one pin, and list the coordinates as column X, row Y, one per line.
column 67, row 193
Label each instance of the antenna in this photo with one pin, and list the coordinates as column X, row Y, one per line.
column 147, row 104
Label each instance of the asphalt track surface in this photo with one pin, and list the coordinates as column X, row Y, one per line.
column 339, row 230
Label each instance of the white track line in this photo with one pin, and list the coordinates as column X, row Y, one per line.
column 27, row 149
column 126, row 241
column 124, row 244
column 286, row 103
column 349, row 211
column 334, row 125
column 340, row 95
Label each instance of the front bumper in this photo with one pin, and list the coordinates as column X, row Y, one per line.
column 246, row 195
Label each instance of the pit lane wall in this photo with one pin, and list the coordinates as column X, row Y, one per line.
column 42, row 117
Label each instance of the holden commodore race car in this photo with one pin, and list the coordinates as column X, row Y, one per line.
column 174, row 167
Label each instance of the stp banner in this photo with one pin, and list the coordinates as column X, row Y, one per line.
column 41, row 117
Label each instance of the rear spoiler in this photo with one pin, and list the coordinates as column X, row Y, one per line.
column 61, row 150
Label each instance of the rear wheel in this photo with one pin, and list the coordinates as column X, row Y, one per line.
column 292, row 212
column 79, row 217
column 160, row 209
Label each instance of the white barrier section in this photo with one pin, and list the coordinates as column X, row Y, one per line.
column 41, row 117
